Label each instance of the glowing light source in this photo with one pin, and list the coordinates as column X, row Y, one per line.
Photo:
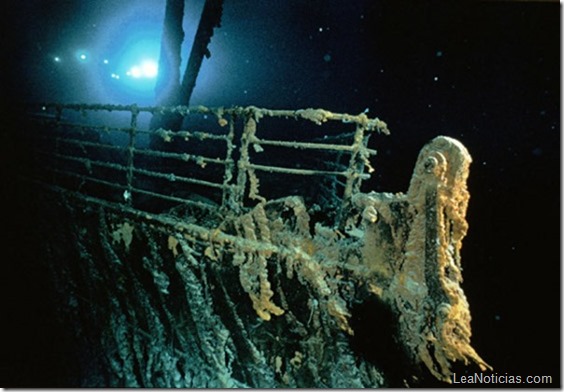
column 130, row 40
column 136, row 72
column 149, row 68
column 57, row 59
column 82, row 55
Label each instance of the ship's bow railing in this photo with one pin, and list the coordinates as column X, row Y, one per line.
column 227, row 158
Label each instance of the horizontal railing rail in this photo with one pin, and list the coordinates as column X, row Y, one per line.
column 223, row 159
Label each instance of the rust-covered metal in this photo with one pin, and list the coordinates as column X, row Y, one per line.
column 218, row 210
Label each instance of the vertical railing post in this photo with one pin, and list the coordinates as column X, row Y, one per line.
column 228, row 201
column 356, row 165
column 128, row 195
column 243, row 163
column 354, row 173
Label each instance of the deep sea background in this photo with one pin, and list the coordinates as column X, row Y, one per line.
column 484, row 72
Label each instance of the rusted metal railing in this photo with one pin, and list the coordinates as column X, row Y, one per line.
column 86, row 154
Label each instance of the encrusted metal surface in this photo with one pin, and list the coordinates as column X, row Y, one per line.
column 212, row 229
column 180, row 157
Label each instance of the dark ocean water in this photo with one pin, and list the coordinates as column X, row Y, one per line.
column 486, row 73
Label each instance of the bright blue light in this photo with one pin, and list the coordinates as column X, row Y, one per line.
column 119, row 63
column 130, row 41
column 82, row 56
column 148, row 69
column 133, row 66
column 137, row 60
